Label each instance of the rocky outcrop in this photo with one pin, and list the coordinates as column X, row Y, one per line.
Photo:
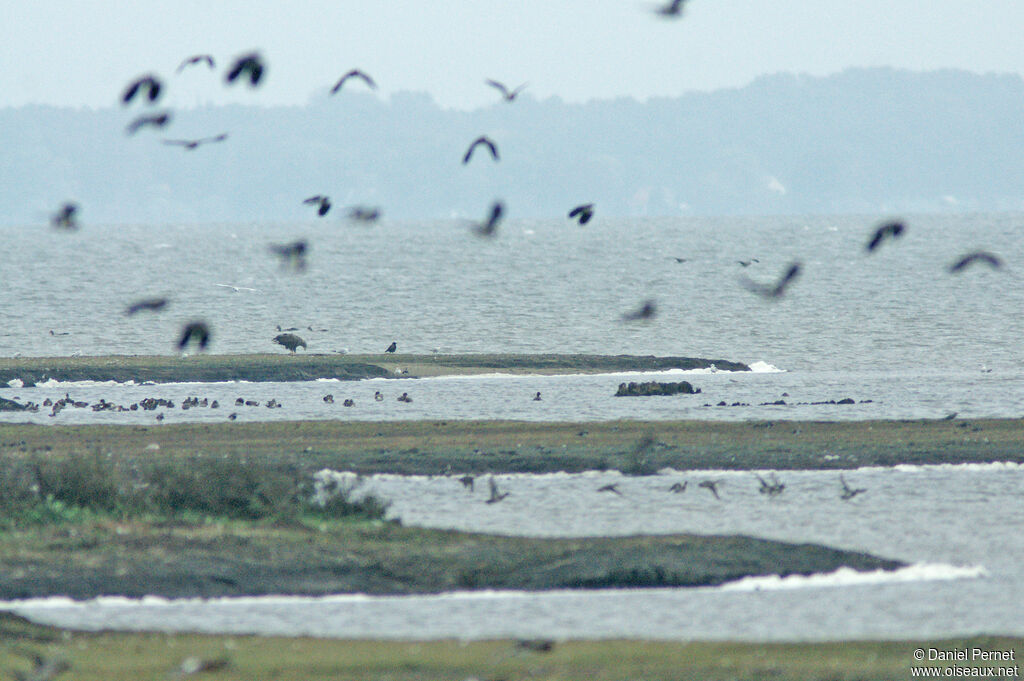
column 633, row 389
column 11, row 405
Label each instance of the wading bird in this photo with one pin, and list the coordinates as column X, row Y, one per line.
column 889, row 230
column 489, row 226
column 354, row 73
column 491, row 146
column 155, row 120
column 149, row 83
column 290, row 341
column 971, row 258
column 776, row 290
column 509, row 95
column 583, row 213
column 250, row 64
column 199, row 58
column 189, row 145
column 151, row 304
column 197, row 332
column 323, row 203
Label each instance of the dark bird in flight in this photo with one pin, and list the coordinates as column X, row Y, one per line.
column 354, row 73
column 149, row 83
column 65, row 218
column 678, row 487
column 648, row 310
column 151, row 304
column 773, row 488
column 364, row 213
column 583, row 213
column 849, row 492
column 776, row 290
column 477, row 142
column 509, row 95
column 250, row 64
column 678, row 259
column 197, row 332
column 392, row 347
column 189, row 145
column 889, row 230
column 467, row 482
column 323, row 204
column 496, row 495
column 290, row 341
column 711, row 486
column 292, row 255
column 156, row 120
column 746, row 263
column 610, row 488
column 205, row 58
column 971, row 258
column 490, row 226
column 673, row 9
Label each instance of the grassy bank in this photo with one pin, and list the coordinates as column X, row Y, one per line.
column 162, row 656
column 440, row 447
column 302, row 367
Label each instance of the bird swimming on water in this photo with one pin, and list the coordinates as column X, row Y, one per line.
column 197, row 332
column 889, row 230
column 489, row 226
column 777, row 289
column 583, row 213
column 292, row 255
column 250, row 64
column 484, row 140
column 323, row 203
column 155, row 120
column 648, row 310
column 151, row 304
column 354, row 73
column 199, row 58
column 979, row 256
column 65, row 218
column 149, row 83
column 189, row 145
column 508, row 95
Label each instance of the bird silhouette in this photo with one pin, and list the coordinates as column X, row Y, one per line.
column 496, row 494
column 847, row 491
column 323, row 204
column 151, row 304
column 777, row 289
column 536, row 398
column 509, row 95
column 648, row 310
column 364, row 214
column 199, row 58
column 250, row 64
column 292, row 255
column 197, row 332
column 290, row 341
column 971, row 258
column 66, row 217
column 477, row 142
column 746, row 263
column 189, row 145
column 155, row 120
column 679, row 487
column 354, row 73
column 149, row 83
column 583, row 213
column 610, row 488
column 711, row 486
column 889, row 230
column 773, row 488
column 674, row 8
column 467, row 482
column 489, row 227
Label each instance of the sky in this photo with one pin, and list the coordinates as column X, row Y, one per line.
column 84, row 52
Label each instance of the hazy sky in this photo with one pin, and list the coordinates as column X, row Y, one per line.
column 83, row 52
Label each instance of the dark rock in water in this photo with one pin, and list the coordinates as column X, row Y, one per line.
column 11, row 405
column 845, row 400
column 633, row 389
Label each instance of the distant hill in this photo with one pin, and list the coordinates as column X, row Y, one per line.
column 865, row 140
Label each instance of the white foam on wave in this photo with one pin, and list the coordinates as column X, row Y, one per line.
column 765, row 368
column 919, row 572
column 54, row 383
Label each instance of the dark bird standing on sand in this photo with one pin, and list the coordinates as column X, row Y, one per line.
column 292, row 255
column 250, row 64
column 204, row 58
column 971, row 258
column 711, row 486
column 496, row 495
column 198, row 332
column 849, row 492
column 490, row 226
column 323, row 203
column 392, row 347
column 583, row 213
column 156, row 120
column 648, row 310
column 149, row 83
column 65, row 217
column 491, row 146
column 673, row 9
column 354, row 73
column 776, row 290
column 151, row 304
column 189, row 145
column 890, row 230
column 290, row 341
column 509, row 95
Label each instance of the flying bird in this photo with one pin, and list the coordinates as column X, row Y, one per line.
column 673, row 9
column 189, row 145
column 711, row 486
column 197, row 332
column 849, row 492
column 583, row 213
column 490, row 226
column 354, row 73
column 773, row 488
column 250, row 64
column 156, row 120
column 364, row 213
column 971, row 258
column 648, row 310
column 151, row 304
column 496, row 495
column 747, row 263
column 776, row 290
column 65, row 218
column 509, row 95
column 149, row 83
column 290, row 341
column 323, row 204
column 890, row 230
column 477, row 142
column 679, row 487
column 199, row 58
column 610, row 488
column 292, row 255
